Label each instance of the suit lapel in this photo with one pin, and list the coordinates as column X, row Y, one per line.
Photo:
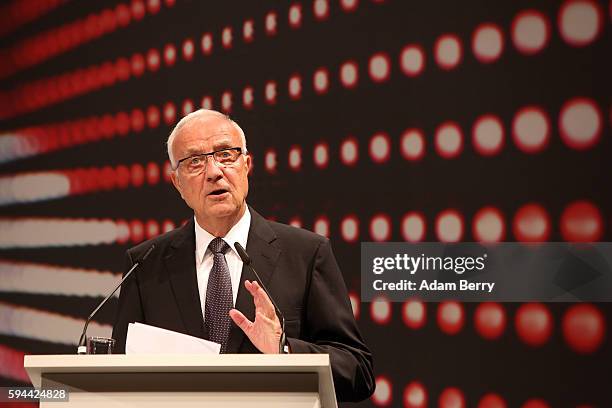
column 180, row 263
column 264, row 256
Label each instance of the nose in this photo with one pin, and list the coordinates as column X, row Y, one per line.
column 213, row 171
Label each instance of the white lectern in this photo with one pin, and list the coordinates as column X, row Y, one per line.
column 180, row 380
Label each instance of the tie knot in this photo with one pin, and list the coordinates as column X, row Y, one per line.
column 218, row 246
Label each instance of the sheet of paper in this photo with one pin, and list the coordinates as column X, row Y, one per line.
column 145, row 339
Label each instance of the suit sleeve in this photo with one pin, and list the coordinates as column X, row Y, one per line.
column 129, row 309
column 330, row 327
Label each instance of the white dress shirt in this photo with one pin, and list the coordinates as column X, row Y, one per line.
column 204, row 256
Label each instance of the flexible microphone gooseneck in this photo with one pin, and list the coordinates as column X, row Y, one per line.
column 246, row 259
column 82, row 349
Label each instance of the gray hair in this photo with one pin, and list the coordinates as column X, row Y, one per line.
column 201, row 114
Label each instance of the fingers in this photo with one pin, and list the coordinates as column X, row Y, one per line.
column 261, row 299
column 241, row 321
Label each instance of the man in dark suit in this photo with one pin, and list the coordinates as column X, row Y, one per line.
column 194, row 281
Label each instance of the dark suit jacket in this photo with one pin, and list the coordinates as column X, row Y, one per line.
column 298, row 268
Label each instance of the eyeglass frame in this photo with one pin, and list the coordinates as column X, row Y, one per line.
column 212, row 154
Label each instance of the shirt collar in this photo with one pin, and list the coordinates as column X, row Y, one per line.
column 238, row 233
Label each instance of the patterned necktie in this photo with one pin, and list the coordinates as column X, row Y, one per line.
column 219, row 299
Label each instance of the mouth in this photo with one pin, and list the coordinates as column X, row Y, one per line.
column 218, row 192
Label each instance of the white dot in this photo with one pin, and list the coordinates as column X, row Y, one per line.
column 321, row 226
column 207, row 43
column 449, row 226
column 380, row 148
column 270, row 92
column 380, row 310
column 321, row 155
column 413, row 144
column 487, row 42
column 349, row 152
column 382, row 394
column 321, row 9
column 271, row 23
column 580, row 123
column 270, row 161
column 531, row 129
column 530, row 31
column 448, row 51
column 488, row 135
column 449, row 140
column 248, row 30
column 350, row 228
column 349, row 74
column 207, row 102
column 413, row 227
column 580, row 22
column 349, row 5
column 226, row 101
column 380, row 228
column 226, row 37
column 321, row 80
column 187, row 107
column 295, row 158
column 247, row 97
column 295, row 87
column 188, row 49
column 412, row 60
column 488, row 225
column 379, row 67
column 295, row 15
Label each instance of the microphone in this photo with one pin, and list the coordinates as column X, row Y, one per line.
column 82, row 349
column 246, row 259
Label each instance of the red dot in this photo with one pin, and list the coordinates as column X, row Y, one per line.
column 247, row 97
column 295, row 158
column 122, row 69
column 530, row 31
column 169, row 113
column 152, row 173
column 320, row 9
column 168, row 226
column 136, row 231
column 167, row 171
column 451, row 397
column 271, row 23
column 415, row 395
column 138, row 9
column 580, row 22
column 270, row 92
column 122, row 122
column 107, row 178
column 152, row 116
column 138, row 175
column 248, row 31
column 531, row 224
column 152, row 229
column 490, row 320
column 414, row 314
column 349, row 5
column 487, row 42
column 295, row 86
column 295, row 15
column 349, row 74
column 169, row 54
column 188, row 49
column 122, row 13
column 207, row 43
column 535, row 403
column 321, row 226
column 412, row 60
column 580, row 123
column 295, row 221
column 492, row 400
column 138, row 64
column 413, row 144
column 153, row 59
column 584, row 328
column 227, row 37
column 122, row 174
column 123, row 231
column 320, row 80
column 448, row 51
column 137, row 119
column 383, row 394
column 581, row 221
column 534, row 324
column 270, row 161
column 489, row 225
column 154, row 6
column 450, row 317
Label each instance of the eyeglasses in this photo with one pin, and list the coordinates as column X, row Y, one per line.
column 197, row 163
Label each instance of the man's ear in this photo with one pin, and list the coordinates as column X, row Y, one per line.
column 248, row 162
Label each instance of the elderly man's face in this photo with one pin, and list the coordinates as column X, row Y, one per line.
column 217, row 193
